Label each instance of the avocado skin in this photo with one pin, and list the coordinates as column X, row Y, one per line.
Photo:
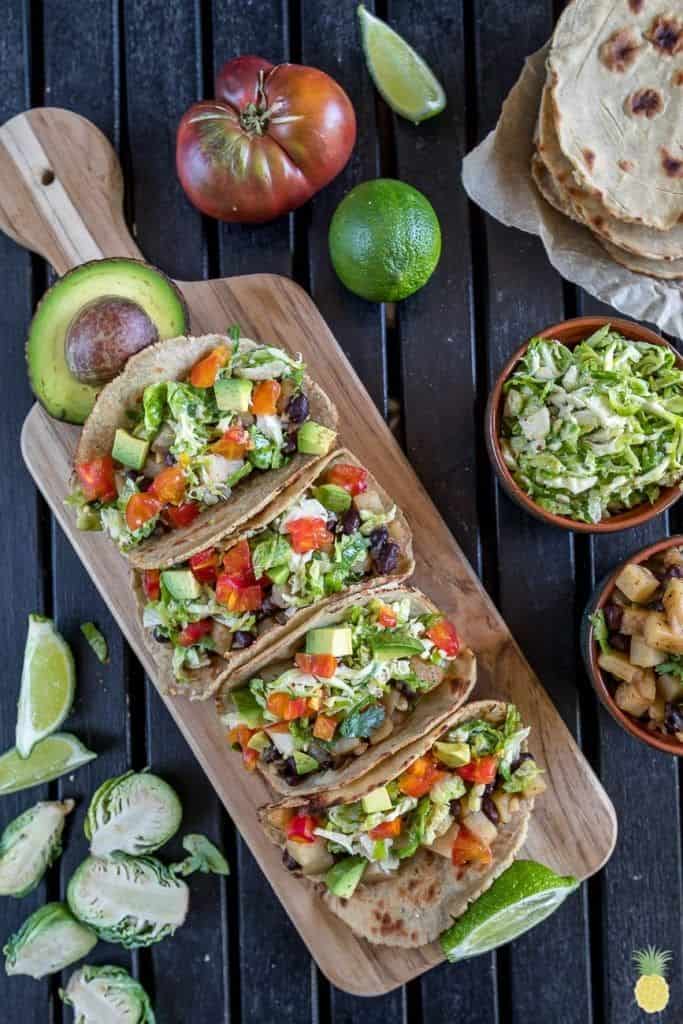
column 53, row 384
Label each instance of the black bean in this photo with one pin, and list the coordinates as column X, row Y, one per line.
column 350, row 520
column 673, row 719
column 169, row 459
column 270, row 754
column 454, row 808
column 131, row 474
column 656, row 605
column 405, row 688
column 289, row 861
column 489, row 788
column 674, row 573
column 290, row 446
column 378, row 538
column 490, row 810
column 297, row 408
column 160, row 636
column 289, row 773
column 614, row 613
column 268, row 608
column 520, row 760
column 242, row 638
column 620, row 642
column 331, row 522
column 386, row 559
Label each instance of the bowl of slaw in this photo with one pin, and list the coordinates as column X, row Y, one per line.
column 612, row 435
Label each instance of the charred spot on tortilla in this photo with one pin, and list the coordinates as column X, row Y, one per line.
column 636, row 5
column 589, row 157
column 673, row 166
column 678, row 78
column 666, row 33
column 598, row 221
column 645, row 103
column 626, row 166
column 620, row 51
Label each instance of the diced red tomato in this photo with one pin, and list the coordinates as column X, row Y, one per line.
column 325, row 726
column 322, row 665
column 237, row 563
column 234, row 443
column 300, row 828
column 387, row 829
column 468, row 848
column 420, row 777
column 264, row 398
column 309, row 534
column 204, row 565
column 151, row 584
column 444, row 635
column 97, row 478
column 204, row 373
column 177, row 516
column 481, row 769
column 239, row 737
column 140, row 509
column 194, row 631
column 386, row 617
column 287, row 708
column 353, row 479
column 169, row 486
column 235, row 596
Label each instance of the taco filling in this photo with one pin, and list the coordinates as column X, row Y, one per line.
column 354, row 683
column 337, row 533
column 189, row 443
column 452, row 800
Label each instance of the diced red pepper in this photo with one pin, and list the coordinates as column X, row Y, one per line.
column 443, row 634
column 97, row 479
column 386, row 617
column 204, row 373
column 239, row 737
column 420, row 777
column 309, row 534
column 234, row 443
column 468, row 848
column 322, row 665
column 204, row 565
column 480, row 770
column 264, row 398
column 235, row 596
column 140, row 509
column 237, row 564
column 353, row 479
column 387, row 829
column 300, row 828
column 151, row 584
column 286, row 708
column 325, row 726
column 194, row 631
column 177, row 516
column 169, row 486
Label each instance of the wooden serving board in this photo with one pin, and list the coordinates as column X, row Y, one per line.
column 61, row 195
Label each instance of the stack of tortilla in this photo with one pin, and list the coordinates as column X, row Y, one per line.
column 609, row 137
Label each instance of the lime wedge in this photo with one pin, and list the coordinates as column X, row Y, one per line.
column 49, row 759
column 400, row 75
column 48, row 683
column 519, row 899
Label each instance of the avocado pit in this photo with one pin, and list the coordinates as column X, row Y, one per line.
column 103, row 335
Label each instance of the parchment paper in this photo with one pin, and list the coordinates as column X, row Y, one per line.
column 497, row 177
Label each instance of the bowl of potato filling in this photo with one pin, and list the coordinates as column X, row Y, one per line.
column 632, row 642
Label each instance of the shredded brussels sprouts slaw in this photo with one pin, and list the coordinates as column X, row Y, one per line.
column 594, row 430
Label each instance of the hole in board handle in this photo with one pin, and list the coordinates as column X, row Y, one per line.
column 47, row 177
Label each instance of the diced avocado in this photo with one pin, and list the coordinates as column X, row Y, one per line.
column 106, row 340
column 181, row 584
column 248, row 707
column 304, row 763
column 335, row 498
column 390, row 644
column 336, row 640
column 233, row 394
column 342, row 879
column 278, row 574
column 88, row 518
column 259, row 741
column 314, row 439
column 128, row 450
column 453, row 754
column 377, row 800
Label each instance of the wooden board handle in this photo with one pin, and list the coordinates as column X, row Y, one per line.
column 61, row 189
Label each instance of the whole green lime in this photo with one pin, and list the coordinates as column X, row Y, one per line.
column 385, row 240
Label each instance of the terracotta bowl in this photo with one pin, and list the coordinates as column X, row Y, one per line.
column 590, row 652
column 571, row 332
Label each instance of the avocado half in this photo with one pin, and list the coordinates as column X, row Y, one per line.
column 53, row 383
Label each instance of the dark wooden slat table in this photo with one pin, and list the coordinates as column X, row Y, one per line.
column 132, row 68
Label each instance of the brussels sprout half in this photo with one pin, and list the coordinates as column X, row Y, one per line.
column 30, row 844
column 107, row 995
column 134, row 813
column 49, row 940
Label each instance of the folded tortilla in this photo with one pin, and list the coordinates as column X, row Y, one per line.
column 204, row 682
column 415, row 904
column 459, row 678
column 172, row 360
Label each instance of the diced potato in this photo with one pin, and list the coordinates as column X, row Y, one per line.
column 312, row 858
column 658, row 633
column 502, row 801
column 644, row 655
column 672, row 556
column 618, row 665
column 669, row 688
column 443, row 845
column 637, row 582
column 481, row 827
column 629, row 700
column 633, row 621
column 673, row 604
column 657, row 710
column 646, row 685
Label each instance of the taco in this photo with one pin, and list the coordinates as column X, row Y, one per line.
column 404, row 849
column 330, row 534
column 346, row 689
column 193, row 438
